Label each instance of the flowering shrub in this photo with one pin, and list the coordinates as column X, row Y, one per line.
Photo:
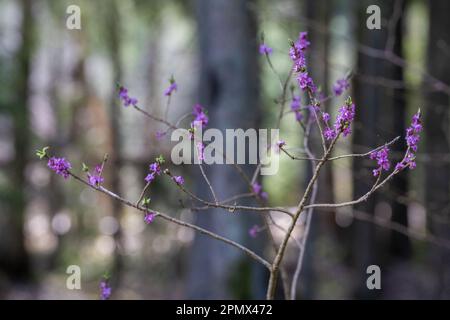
column 313, row 115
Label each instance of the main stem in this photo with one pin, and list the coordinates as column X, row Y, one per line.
column 281, row 250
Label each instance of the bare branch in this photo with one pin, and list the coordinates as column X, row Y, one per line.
column 230, row 208
column 166, row 217
column 208, row 183
column 355, row 155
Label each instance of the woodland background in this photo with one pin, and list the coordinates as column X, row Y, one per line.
column 58, row 89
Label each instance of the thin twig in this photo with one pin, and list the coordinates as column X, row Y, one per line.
column 141, row 196
column 149, row 115
column 208, row 183
column 354, row 155
column 166, row 114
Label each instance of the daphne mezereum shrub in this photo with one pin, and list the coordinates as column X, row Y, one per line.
column 307, row 115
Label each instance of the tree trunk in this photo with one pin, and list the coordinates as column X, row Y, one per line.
column 318, row 12
column 14, row 259
column 368, row 99
column 436, row 122
column 115, row 156
column 229, row 90
column 400, row 245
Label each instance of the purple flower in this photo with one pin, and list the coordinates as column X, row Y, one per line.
column 297, row 50
column 344, row 118
column 303, row 42
column 264, row 49
column 253, row 231
column 340, row 86
column 399, row 166
column 416, row 124
column 60, row 165
column 329, row 133
column 412, row 140
column 382, row 160
column 150, row 177
column 305, row 82
column 178, row 180
column 123, row 93
column 298, row 116
column 297, row 54
column 295, row 104
column 132, row 101
column 257, row 190
column 126, row 99
column 155, row 168
column 173, row 87
column 149, row 217
column 200, row 116
column 105, row 289
column 95, row 180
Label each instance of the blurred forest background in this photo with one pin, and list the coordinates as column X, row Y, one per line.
column 58, row 89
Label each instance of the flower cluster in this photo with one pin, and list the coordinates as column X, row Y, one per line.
column 306, row 82
column 126, row 99
column 412, row 140
column 257, row 190
column 200, row 116
column 340, row 86
column 178, row 180
column 96, row 179
column 155, row 169
column 345, row 117
column 295, row 107
column 297, row 54
column 264, row 49
column 149, row 217
column 382, row 160
column 60, row 165
column 172, row 87
column 329, row 133
column 105, row 289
